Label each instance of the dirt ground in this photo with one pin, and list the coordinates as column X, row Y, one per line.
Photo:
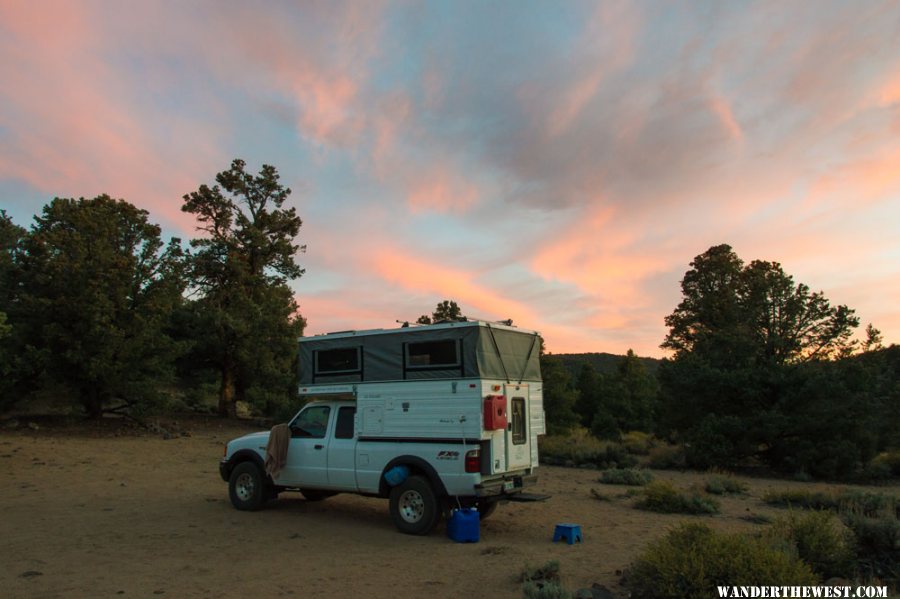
column 94, row 511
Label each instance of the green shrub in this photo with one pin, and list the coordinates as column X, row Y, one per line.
column 543, row 582
column 889, row 460
column 546, row 590
column 820, row 540
column 873, row 473
column 666, row 457
column 638, row 443
column 877, row 545
column 798, row 498
column 692, row 560
column 579, row 446
column 616, row 456
column 849, row 500
column 548, row 572
column 725, row 485
column 868, row 504
column 662, row 497
column 626, row 476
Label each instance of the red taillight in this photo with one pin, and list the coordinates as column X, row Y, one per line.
column 473, row 460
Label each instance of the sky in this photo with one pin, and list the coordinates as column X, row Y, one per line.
column 557, row 163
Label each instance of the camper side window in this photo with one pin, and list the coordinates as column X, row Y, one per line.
column 431, row 354
column 337, row 361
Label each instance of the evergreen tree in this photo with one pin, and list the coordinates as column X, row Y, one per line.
column 753, row 371
column 11, row 236
column 246, row 319
column 633, row 395
column 446, row 311
column 96, row 292
column 559, row 395
column 589, row 400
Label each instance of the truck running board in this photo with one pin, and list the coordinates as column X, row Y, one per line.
column 526, row 497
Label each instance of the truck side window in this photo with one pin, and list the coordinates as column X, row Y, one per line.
column 344, row 427
column 311, row 422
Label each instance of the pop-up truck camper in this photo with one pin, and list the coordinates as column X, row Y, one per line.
column 431, row 417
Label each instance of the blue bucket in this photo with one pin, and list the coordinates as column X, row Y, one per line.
column 396, row 475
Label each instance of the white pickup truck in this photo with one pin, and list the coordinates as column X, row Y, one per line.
column 430, row 417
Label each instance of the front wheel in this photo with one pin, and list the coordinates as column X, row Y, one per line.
column 247, row 487
column 414, row 506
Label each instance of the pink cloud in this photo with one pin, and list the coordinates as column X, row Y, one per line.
column 76, row 129
column 317, row 57
column 722, row 110
column 608, row 44
column 860, row 181
column 889, row 92
column 427, row 277
column 440, row 190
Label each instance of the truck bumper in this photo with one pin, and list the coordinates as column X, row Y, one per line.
column 224, row 470
column 508, row 485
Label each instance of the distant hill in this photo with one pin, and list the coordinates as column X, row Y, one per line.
column 602, row 362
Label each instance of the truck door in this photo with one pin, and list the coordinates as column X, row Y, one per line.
column 518, row 438
column 307, row 458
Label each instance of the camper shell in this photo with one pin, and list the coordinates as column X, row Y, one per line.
column 456, row 408
column 434, row 382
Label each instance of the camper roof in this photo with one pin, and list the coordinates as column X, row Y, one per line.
column 412, row 328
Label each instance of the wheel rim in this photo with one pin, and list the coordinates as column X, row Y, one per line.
column 244, row 487
column 412, row 506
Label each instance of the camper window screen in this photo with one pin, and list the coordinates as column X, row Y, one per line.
column 332, row 361
column 431, row 354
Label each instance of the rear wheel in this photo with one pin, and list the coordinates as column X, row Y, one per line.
column 414, row 506
column 247, row 487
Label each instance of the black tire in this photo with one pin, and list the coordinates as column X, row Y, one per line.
column 248, row 488
column 486, row 507
column 316, row 494
column 415, row 508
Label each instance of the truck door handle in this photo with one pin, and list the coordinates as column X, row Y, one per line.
column 319, row 447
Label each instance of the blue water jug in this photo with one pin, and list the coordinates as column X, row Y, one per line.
column 464, row 525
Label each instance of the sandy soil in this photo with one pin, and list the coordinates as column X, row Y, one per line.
column 93, row 512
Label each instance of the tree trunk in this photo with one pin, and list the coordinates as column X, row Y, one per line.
column 227, row 399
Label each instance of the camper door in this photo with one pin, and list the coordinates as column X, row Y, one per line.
column 518, row 437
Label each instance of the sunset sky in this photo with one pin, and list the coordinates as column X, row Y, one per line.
column 557, row 163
